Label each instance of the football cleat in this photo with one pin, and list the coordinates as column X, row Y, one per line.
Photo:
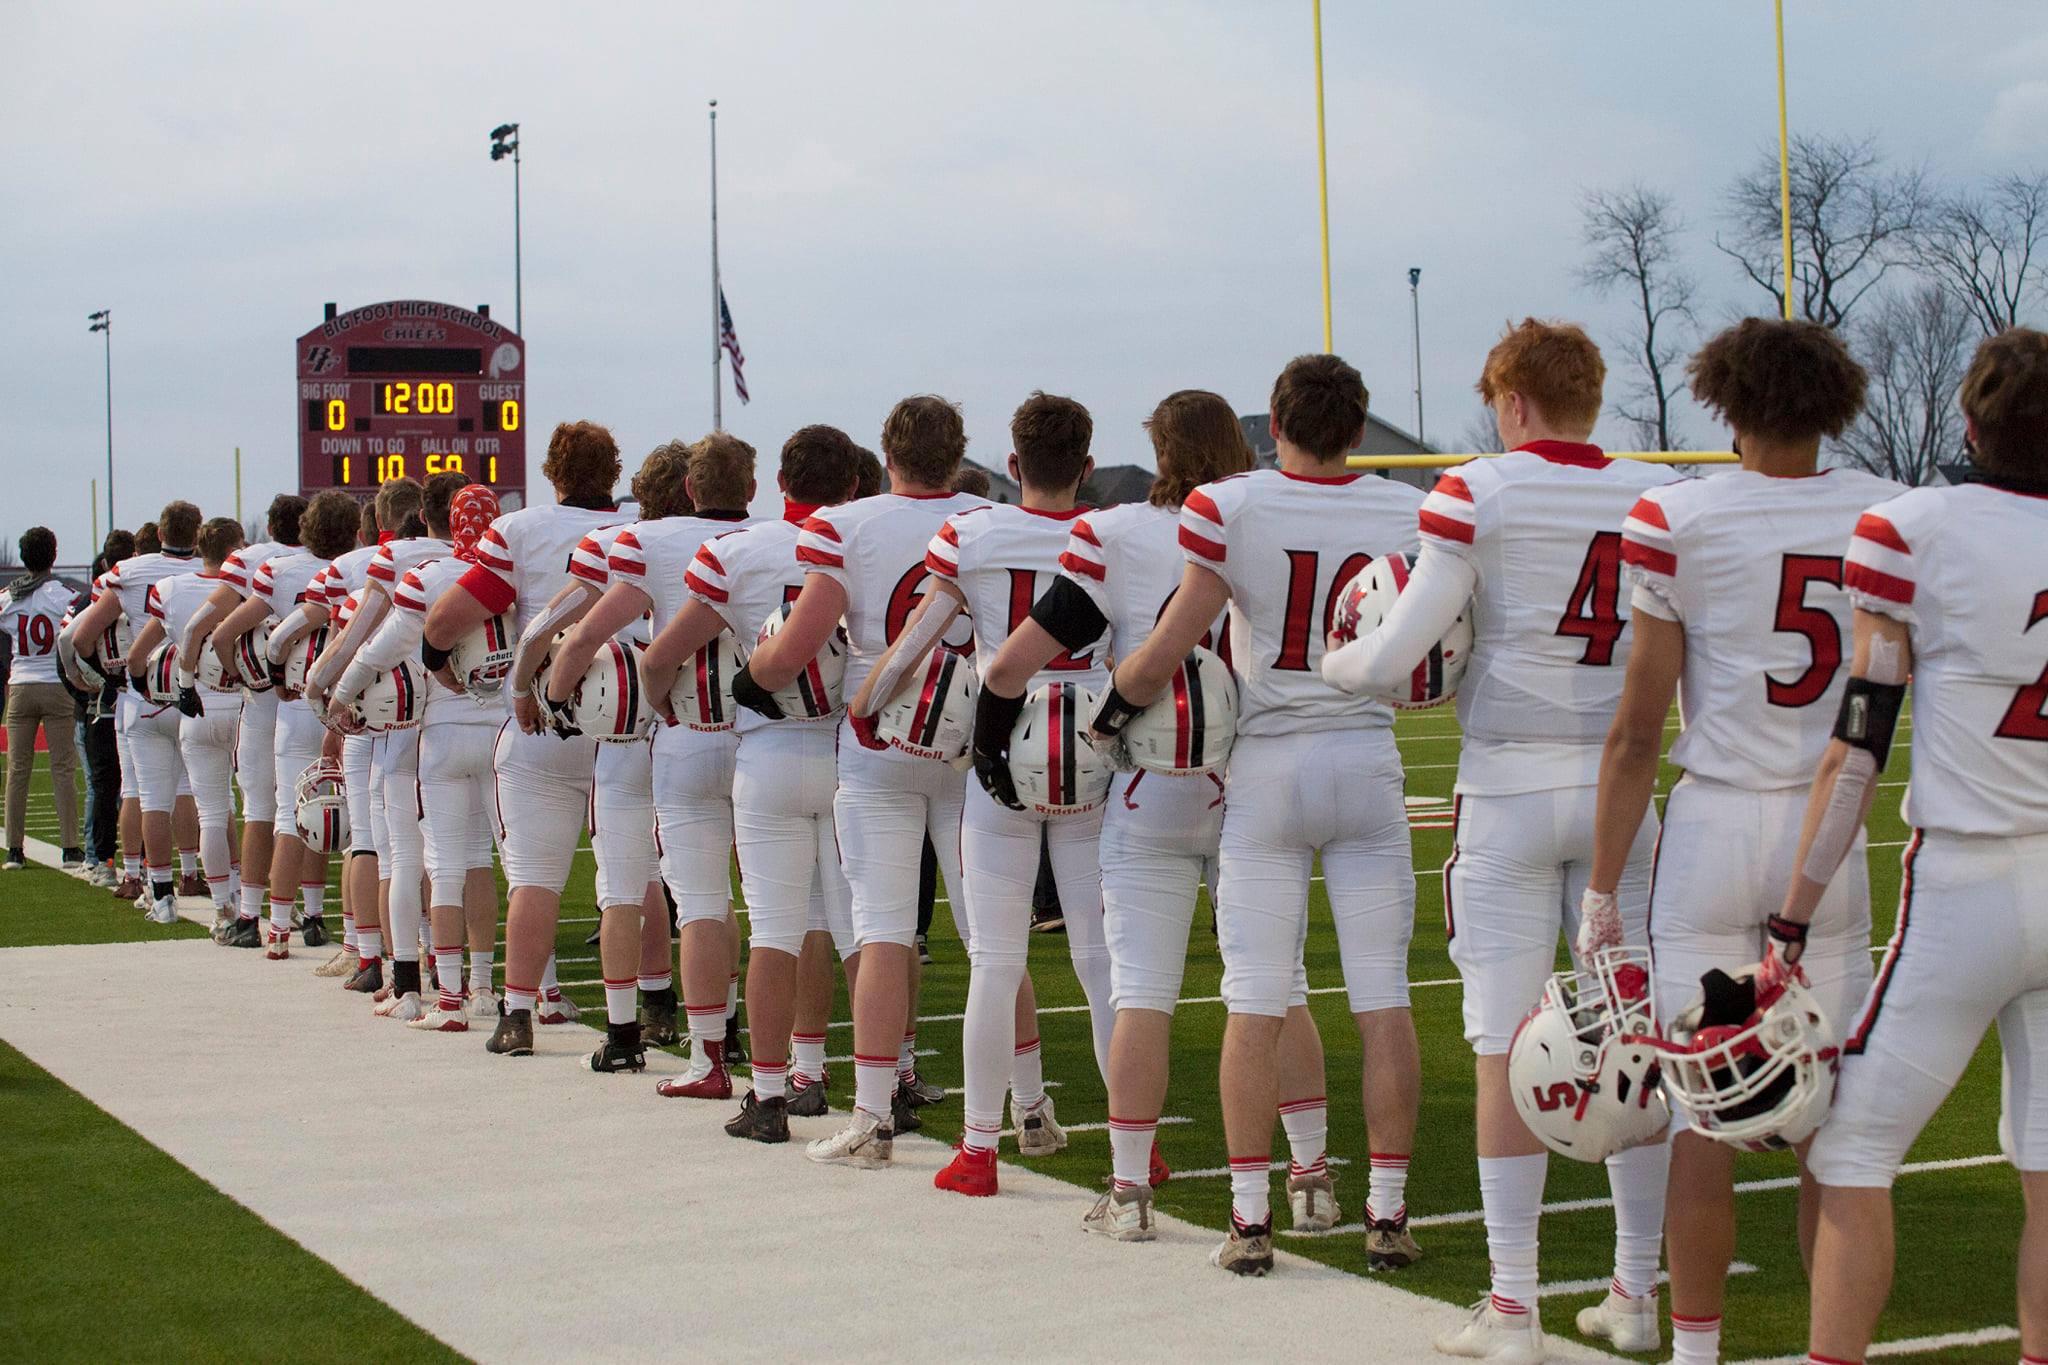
column 1038, row 1130
column 514, row 1035
column 368, row 977
column 734, row 1054
column 1160, row 1172
column 1246, row 1251
column 145, row 902
column 1627, row 1324
column 1122, row 1215
column 277, row 946
column 1313, row 1201
column 481, row 1005
column 247, row 933
column 760, row 1120
column 438, row 1020
column 192, row 884
column 223, row 921
column 341, row 964
column 128, row 888
column 404, row 1008
column 919, row 1091
column 1489, row 1334
column 104, row 876
column 1388, row 1244
column 560, row 1010
column 972, row 1171
column 658, row 1019
column 808, row 1101
column 620, row 1051
column 865, row 1141
column 712, row 1084
column 902, row 1112
column 165, row 911
column 313, row 931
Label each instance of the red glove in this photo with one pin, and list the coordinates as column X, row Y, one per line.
column 864, row 731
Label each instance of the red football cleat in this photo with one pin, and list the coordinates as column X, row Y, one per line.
column 972, row 1171
column 715, row 1084
column 1161, row 1172
column 279, row 947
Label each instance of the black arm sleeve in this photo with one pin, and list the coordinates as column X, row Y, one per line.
column 1869, row 715
column 1069, row 614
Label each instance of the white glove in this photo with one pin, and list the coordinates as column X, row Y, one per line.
column 1599, row 923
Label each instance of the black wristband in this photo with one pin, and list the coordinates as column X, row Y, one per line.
column 995, row 717
column 1114, row 713
column 1786, row 931
column 433, row 658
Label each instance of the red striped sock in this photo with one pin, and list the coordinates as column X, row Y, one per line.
column 1386, row 1192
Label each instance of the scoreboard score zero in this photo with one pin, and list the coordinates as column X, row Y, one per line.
column 411, row 388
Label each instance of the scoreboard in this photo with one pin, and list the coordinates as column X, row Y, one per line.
column 411, row 388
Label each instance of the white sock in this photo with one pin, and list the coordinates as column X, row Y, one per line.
column 1695, row 1341
column 874, row 1083
column 234, row 882
column 369, row 945
column 1511, row 1193
column 732, row 998
column 1386, row 1194
column 314, row 893
column 1130, row 1152
column 1307, row 1123
column 1251, row 1190
column 280, row 914
column 252, row 902
column 407, row 923
column 771, row 1082
column 348, row 930
column 621, row 1001
column 663, row 982
column 517, row 999
column 992, row 1058
column 188, row 861
column 807, row 1050
column 480, row 972
column 132, row 867
column 448, row 976
column 214, row 857
column 1637, row 1178
column 1027, row 1072
column 550, row 985
column 707, row 1035
column 906, row 1057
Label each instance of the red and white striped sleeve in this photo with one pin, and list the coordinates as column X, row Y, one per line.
column 1084, row 561
column 1651, row 553
column 588, row 563
column 383, row 567
column 264, row 584
column 627, row 559
column 1879, row 574
column 1449, row 518
column 1202, row 535
column 942, row 556
column 820, row 549
column 235, row 573
column 345, row 610
column 706, row 579
column 411, row 594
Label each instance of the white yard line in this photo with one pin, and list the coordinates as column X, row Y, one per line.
column 1167, row 1121
column 1566, row 1288
column 1217, row 1172
column 1910, row 1346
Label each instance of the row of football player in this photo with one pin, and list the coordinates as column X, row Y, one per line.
column 1313, row 763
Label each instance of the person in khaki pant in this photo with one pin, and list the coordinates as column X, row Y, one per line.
column 31, row 610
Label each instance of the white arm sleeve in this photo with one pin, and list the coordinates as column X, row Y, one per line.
column 912, row 648
column 288, row 630
column 370, row 609
column 67, row 658
column 1849, row 802
column 1382, row 662
column 568, row 608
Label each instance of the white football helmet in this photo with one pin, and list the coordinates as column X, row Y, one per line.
column 1190, row 727
column 160, row 680
column 1366, row 600
column 701, row 696
column 298, row 661
column 934, row 716
column 210, row 673
column 814, row 692
column 249, row 658
column 116, row 642
column 393, row 700
column 321, row 803
column 482, row 658
column 607, row 703
column 1762, row 1083
column 1583, row 1067
column 95, row 671
column 1056, row 768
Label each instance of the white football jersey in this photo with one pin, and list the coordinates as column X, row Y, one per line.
column 1541, row 527
column 523, row 560
column 1966, row 570
column 405, row 626
column 173, row 600
column 393, row 559
column 1751, row 567
column 1285, row 544
column 1126, row 559
column 655, row 557
column 286, row 580
column 744, row 576
column 590, row 562
column 239, row 572
column 1001, row 557
column 347, row 574
column 131, row 579
column 875, row 549
column 31, row 625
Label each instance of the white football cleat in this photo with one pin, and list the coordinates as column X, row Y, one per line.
column 145, row 901
column 404, row 1008
column 164, row 911
column 1489, row 1334
column 1313, row 1202
column 561, row 1010
column 482, row 1005
column 865, row 1141
column 438, row 1020
column 1122, row 1215
column 1038, row 1131
column 341, row 964
column 1630, row 1324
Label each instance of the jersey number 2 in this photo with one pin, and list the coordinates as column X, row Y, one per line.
column 2027, row 717
column 1594, row 612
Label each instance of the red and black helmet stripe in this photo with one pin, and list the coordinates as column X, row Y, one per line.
column 931, row 702
column 1190, row 715
column 710, row 684
column 628, row 720
column 407, row 694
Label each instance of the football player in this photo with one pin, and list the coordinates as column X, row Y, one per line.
column 633, row 914
column 283, row 584
column 1950, row 586
column 543, row 781
column 1739, row 612
column 1159, row 834
column 32, row 610
column 206, row 729
column 152, row 773
column 864, row 563
column 1314, row 769
column 784, row 771
column 1532, row 541
column 991, row 562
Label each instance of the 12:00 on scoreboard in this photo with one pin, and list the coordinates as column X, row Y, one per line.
column 411, row 388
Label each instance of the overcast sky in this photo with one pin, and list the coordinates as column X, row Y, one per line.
column 1106, row 200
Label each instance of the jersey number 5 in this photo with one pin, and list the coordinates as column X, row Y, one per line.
column 2027, row 717
column 1820, row 628
column 1594, row 612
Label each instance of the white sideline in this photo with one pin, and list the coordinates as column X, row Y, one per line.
column 1910, row 1346
column 1564, row 1289
column 519, row 1281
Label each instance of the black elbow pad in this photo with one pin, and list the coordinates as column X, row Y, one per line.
column 1069, row 614
column 433, row 658
column 1869, row 715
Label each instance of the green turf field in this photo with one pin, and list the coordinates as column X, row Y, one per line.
column 1958, row 1227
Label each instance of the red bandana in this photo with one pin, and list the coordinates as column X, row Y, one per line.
column 470, row 514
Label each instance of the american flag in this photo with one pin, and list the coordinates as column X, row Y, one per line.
column 730, row 339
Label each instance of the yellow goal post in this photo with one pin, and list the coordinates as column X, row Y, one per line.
column 1446, row 461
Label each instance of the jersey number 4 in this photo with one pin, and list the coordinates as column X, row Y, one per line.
column 1823, row 633
column 2027, row 717
column 1593, row 613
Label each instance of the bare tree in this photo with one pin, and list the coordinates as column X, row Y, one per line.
column 1480, row 435
column 1916, row 347
column 1853, row 219
column 1632, row 235
column 1990, row 248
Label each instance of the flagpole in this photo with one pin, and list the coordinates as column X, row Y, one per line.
column 1323, row 180
column 1784, row 164
column 717, row 362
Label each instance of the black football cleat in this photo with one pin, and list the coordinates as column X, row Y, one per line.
column 734, row 1053
column 247, row 932
column 514, row 1035
column 620, row 1051
column 658, row 1019
column 808, row 1101
column 367, row 979
column 902, row 1113
column 314, row 931
column 760, row 1120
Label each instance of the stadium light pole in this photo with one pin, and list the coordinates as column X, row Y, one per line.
column 504, row 143
column 1415, row 306
column 103, row 323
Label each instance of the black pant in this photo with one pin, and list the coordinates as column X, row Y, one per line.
column 103, row 760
